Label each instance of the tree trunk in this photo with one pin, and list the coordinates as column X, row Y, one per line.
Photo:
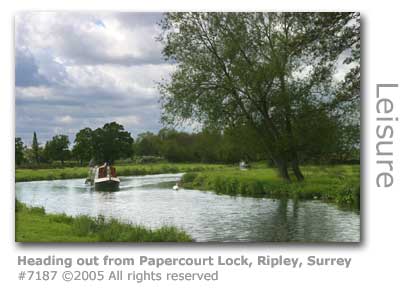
column 296, row 168
column 282, row 169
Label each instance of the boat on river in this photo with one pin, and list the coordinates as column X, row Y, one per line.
column 103, row 178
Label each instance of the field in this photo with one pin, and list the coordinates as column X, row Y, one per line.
column 339, row 184
column 34, row 225
column 124, row 170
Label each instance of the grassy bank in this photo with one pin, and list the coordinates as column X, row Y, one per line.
column 339, row 184
column 126, row 170
column 34, row 225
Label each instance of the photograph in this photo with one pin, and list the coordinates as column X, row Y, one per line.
column 187, row 127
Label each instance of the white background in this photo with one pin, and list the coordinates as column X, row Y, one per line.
column 380, row 262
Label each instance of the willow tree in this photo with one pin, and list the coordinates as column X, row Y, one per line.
column 256, row 69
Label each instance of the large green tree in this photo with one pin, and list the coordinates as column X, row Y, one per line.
column 111, row 142
column 57, row 148
column 264, row 70
column 82, row 149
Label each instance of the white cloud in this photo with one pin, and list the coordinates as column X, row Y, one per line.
column 131, row 120
column 83, row 69
column 67, row 119
column 78, row 38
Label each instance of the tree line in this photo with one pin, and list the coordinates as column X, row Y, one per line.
column 104, row 144
column 112, row 142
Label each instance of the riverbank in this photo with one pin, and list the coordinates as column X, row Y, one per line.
column 124, row 170
column 34, row 225
column 339, row 184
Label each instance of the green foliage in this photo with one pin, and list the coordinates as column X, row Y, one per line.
column 274, row 72
column 19, row 151
column 57, row 148
column 20, row 207
column 111, row 142
column 82, row 149
column 147, row 145
column 84, row 225
column 34, row 225
column 207, row 146
column 35, row 148
column 189, row 177
column 339, row 184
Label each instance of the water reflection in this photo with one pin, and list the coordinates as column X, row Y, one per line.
column 150, row 201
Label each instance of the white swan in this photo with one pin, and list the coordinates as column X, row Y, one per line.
column 176, row 187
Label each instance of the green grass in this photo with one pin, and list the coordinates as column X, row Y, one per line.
column 339, row 184
column 34, row 225
column 126, row 170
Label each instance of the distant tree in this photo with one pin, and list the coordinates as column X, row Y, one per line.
column 31, row 158
column 147, row 144
column 174, row 152
column 111, row 142
column 206, row 146
column 82, row 149
column 177, row 146
column 241, row 142
column 35, row 148
column 19, row 151
column 57, row 148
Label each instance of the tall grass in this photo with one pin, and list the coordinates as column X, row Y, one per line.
column 34, row 225
column 339, row 184
column 112, row 230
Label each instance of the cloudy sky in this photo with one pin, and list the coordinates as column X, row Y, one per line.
column 76, row 70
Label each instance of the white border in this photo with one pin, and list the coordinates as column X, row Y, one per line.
column 379, row 262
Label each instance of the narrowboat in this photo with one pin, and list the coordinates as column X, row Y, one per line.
column 103, row 178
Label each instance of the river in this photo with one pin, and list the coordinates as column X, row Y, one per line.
column 150, row 201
